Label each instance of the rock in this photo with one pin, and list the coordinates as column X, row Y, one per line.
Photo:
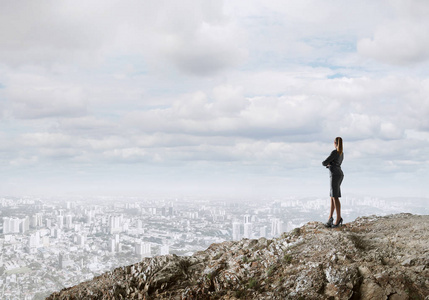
column 370, row 258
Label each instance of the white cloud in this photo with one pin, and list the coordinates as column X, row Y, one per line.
column 197, row 37
column 101, row 88
column 41, row 102
column 402, row 39
column 401, row 42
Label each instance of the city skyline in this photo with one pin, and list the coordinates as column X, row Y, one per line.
column 213, row 97
column 50, row 243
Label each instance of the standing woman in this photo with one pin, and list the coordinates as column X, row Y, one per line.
column 333, row 162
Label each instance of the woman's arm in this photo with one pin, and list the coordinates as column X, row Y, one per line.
column 330, row 158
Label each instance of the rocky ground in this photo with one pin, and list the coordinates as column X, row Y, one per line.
column 369, row 258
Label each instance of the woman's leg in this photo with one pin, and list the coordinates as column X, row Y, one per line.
column 332, row 207
column 338, row 209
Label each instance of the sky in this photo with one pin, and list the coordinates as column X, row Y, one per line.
column 240, row 98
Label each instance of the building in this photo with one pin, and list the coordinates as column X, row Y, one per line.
column 263, row 231
column 115, row 224
column 80, row 240
column 114, row 244
column 247, row 230
column 90, row 215
column 6, row 225
column 60, row 221
column 25, row 225
column 14, row 225
column 247, row 219
column 276, row 227
column 139, row 224
column 64, row 260
column 36, row 220
column 143, row 249
column 69, row 221
column 57, row 233
column 236, row 231
column 247, row 227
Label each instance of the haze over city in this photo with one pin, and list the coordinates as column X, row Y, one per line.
column 204, row 97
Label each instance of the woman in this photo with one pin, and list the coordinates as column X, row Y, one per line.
column 333, row 162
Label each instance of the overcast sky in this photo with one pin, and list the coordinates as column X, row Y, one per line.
column 228, row 97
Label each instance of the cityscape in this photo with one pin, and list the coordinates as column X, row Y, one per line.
column 48, row 244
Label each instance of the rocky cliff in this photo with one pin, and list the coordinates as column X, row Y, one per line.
column 369, row 258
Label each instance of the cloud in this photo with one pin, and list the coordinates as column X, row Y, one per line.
column 40, row 102
column 401, row 40
column 51, row 32
column 211, row 89
column 400, row 43
column 196, row 37
column 207, row 51
column 226, row 112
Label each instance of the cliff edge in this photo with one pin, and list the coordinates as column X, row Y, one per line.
column 369, row 258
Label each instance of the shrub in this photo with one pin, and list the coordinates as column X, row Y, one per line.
column 238, row 294
column 296, row 231
column 217, row 256
column 271, row 270
column 252, row 284
column 287, row 258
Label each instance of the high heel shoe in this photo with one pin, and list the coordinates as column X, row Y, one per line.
column 340, row 223
column 329, row 223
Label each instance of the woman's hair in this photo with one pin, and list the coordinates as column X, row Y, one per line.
column 339, row 142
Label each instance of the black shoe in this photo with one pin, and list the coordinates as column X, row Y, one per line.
column 340, row 222
column 329, row 223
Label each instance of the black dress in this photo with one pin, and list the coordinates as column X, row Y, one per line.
column 334, row 160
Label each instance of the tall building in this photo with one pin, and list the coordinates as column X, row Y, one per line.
column 236, row 231
column 112, row 245
column 115, row 224
column 143, row 249
column 247, row 227
column 247, row 230
column 139, row 224
column 263, row 231
column 25, row 225
column 69, row 221
column 90, row 216
column 247, row 219
column 57, row 233
column 60, row 221
column 64, row 260
column 276, row 227
column 14, row 225
column 36, row 220
column 6, row 225
column 80, row 240
column 33, row 242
